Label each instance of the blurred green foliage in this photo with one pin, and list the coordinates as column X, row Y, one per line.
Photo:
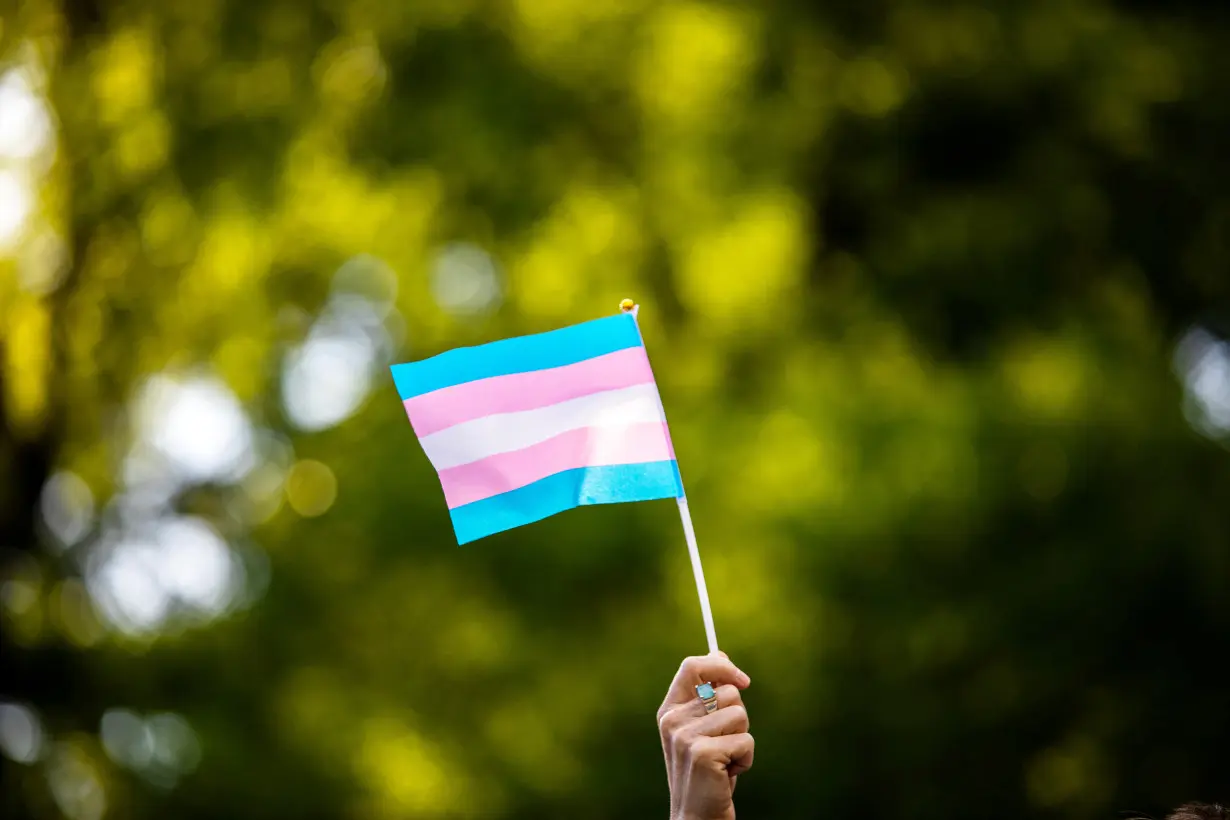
column 912, row 277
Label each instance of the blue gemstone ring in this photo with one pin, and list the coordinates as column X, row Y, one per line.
column 705, row 692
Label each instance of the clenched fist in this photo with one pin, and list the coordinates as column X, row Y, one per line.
column 705, row 752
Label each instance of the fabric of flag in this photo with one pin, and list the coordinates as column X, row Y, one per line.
column 524, row 428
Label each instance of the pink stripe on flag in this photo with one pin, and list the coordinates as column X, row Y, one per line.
column 584, row 447
column 443, row 408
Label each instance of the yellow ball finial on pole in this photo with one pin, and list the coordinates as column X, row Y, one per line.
column 626, row 305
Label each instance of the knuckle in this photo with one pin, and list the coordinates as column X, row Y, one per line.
column 700, row 748
column 730, row 695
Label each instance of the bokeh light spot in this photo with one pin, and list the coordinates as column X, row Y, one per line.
column 464, row 280
column 1202, row 361
column 71, row 607
column 161, row 748
column 406, row 769
column 196, row 565
column 43, row 263
column 16, row 203
column 174, row 565
column 198, row 425
column 311, row 488
column 20, row 591
column 326, row 379
column 67, row 506
column 21, row 733
column 25, row 125
column 75, row 783
column 176, row 749
column 126, row 739
column 871, row 88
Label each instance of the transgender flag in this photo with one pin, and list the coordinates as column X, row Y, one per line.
column 524, row 428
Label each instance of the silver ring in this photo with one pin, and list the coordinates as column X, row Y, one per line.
column 708, row 696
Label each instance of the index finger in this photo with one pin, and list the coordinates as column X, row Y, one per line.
column 715, row 669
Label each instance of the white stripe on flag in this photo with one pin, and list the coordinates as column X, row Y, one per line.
column 503, row 433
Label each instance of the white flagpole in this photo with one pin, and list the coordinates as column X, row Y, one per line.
column 689, row 533
column 701, row 590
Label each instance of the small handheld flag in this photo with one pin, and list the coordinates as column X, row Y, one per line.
column 524, row 428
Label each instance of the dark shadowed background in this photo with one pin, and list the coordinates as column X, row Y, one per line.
column 937, row 295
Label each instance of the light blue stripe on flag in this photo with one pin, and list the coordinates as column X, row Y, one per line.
column 563, row 491
column 555, row 348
